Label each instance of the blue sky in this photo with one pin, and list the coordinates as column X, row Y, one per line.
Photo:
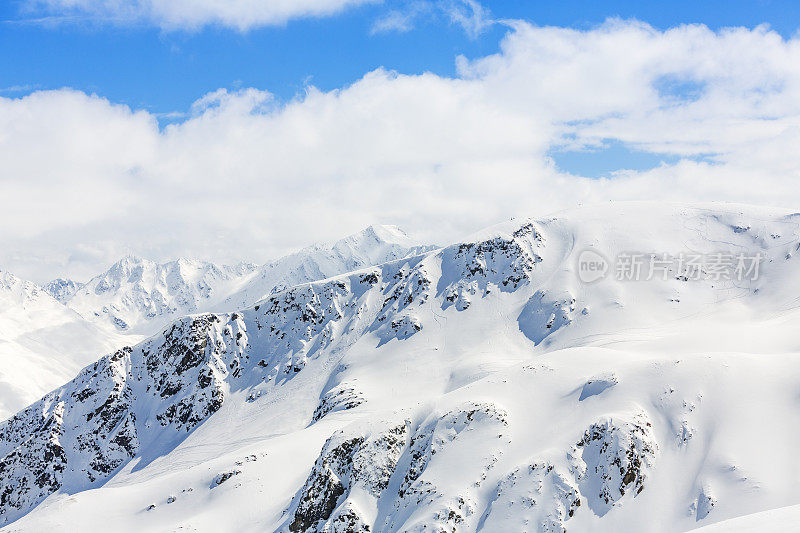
column 164, row 71
column 235, row 130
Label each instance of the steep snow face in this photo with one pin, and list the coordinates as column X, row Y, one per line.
column 34, row 329
column 478, row 387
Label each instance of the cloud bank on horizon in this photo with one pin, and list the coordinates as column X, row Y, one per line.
column 248, row 177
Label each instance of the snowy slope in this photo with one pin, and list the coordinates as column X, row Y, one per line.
column 478, row 387
column 42, row 343
column 140, row 296
column 783, row 520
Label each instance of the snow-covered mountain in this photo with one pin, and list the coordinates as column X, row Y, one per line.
column 489, row 385
column 42, row 343
column 62, row 289
column 140, row 296
column 375, row 245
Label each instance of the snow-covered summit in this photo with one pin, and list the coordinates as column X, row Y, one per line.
column 373, row 245
column 48, row 333
column 17, row 291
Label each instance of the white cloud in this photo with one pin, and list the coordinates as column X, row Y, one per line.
column 247, row 14
column 470, row 15
column 191, row 14
column 404, row 18
column 17, row 89
column 85, row 180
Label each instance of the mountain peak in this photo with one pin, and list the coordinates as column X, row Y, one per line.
column 62, row 289
column 129, row 260
column 7, row 278
column 377, row 240
column 19, row 289
column 386, row 233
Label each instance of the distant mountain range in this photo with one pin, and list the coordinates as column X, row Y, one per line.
column 140, row 296
column 48, row 333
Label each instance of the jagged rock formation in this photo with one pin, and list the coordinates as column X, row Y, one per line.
column 388, row 467
column 84, row 431
column 397, row 469
column 612, row 457
column 347, row 463
column 615, row 457
column 474, row 269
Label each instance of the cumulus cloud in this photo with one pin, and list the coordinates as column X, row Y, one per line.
column 175, row 14
column 243, row 176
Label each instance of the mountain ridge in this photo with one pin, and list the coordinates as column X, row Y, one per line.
column 141, row 296
column 137, row 297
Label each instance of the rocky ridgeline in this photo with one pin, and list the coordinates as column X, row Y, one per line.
column 139, row 296
column 617, row 455
column 400, row 476
column 362, row 470
column 474, row 269
column 611, row 459
column 80, row 434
